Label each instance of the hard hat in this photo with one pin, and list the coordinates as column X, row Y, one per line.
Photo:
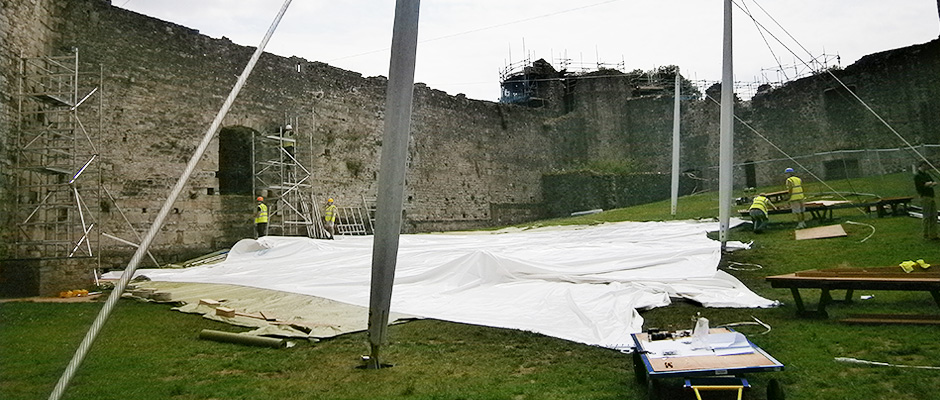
column 260, row 198
column 288, row 127
column 788, row 170
column 330, row 200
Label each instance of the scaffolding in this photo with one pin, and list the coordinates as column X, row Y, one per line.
column 58, row 182
column 356, row 220
column 284, row 182
column 282, row 179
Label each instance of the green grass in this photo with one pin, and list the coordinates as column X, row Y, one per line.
column 147, row 351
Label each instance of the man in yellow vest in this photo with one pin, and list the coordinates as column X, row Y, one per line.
column 261, row 218
column 797, row 197
column 758, row 211
column 329, row 218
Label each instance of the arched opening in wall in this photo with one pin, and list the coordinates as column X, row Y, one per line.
column 235, row 155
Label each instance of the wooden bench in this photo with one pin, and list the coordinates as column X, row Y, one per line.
column 851, row 279
column 897, row 206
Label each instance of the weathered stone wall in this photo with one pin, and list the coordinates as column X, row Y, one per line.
column 581, row 191
column 471, row 163
column 26, row 29
column 166, row 82
column 817, row 114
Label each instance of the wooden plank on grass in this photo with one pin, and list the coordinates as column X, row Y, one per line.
column 911, row 319
column 870, row 272
column 820, row 232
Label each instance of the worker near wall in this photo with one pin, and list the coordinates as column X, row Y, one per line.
column 329, row 218
column 758, row 210
column 924, row 184
column 261, row 218
column 797, row 197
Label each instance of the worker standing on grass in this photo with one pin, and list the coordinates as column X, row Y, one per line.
column 329, row 218
column 924, row 184
column 758, row 211
column 261, row 218
column 797, row 197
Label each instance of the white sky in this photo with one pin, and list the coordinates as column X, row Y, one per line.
column 463, row 44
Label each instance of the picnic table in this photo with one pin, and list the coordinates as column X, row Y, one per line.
column 818, row 210
column 778, row 197
column 822, row 209
column 654, row 361
column 851, row 279
column 897, row 206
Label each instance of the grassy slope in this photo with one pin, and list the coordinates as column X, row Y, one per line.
column 147, row 352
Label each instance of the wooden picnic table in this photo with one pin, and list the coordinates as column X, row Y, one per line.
column 778, row 197
column 893, row 205
column 851, row 279
column 822, row 210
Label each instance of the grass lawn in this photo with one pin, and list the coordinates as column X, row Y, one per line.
column 146, row 351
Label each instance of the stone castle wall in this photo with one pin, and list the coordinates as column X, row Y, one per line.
column 164, row 84
column 471, row 163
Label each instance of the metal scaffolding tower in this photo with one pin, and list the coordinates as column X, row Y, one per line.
column 282, row 179
column 58, row 182
column 285, row 183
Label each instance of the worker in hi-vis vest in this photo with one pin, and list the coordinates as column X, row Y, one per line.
column 758, row 211
column 797, row 197
column 261, row 217
column 329, row 218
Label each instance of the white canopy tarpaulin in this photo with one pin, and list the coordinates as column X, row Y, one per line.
column 582, row 283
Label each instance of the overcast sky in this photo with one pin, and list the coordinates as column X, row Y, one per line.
column 464, row 44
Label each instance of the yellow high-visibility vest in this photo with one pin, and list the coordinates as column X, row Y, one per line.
column 262, row 214
column 330, row 214
column 760, row 203
column 795, row 186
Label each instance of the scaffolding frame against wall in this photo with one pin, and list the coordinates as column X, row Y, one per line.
column 282, row 179
column 355, row 220
column 285, row 183
column 58, row 181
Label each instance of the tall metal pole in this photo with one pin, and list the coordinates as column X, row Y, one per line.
column 675, row 147
column 727, row 131
column 161, row 216
column 398, row 102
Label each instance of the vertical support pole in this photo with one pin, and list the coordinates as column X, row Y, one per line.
column 726, row 134
column 675, row 146
column 391, row 185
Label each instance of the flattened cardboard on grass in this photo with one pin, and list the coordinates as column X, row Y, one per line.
column 820, row 232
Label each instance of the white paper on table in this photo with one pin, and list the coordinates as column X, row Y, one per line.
column 722, row 344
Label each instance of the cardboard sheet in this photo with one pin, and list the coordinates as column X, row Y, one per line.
column 821, row 232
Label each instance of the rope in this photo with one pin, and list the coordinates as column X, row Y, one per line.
column 870, row 226
column 755, row 322
column 754, row 267
column 884, row 364
column 158, row 222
